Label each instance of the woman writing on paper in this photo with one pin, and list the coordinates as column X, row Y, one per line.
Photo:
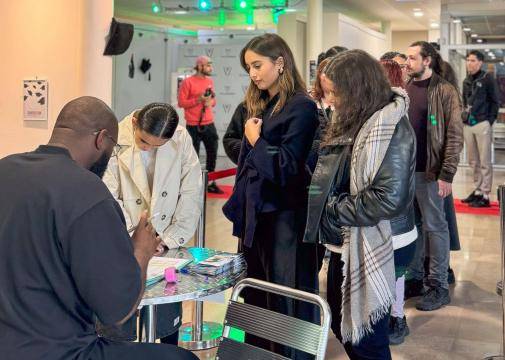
column 158, row 170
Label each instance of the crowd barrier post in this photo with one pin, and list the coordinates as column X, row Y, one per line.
column 501, row 196
column 204, row 334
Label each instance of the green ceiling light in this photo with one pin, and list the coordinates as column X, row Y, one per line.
column 221, row 18
column 276, row 13
column 156, row 8
column 242, row 5
column 249, row 17
column 204, row 5
column 278, row 3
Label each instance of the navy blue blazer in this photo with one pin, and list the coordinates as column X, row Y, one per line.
column 273, row 175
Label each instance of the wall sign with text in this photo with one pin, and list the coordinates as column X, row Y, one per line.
column 35, row 100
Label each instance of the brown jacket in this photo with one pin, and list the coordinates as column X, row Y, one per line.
column 445, row 130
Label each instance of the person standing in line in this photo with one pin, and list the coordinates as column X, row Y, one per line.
column 197, row 98
column 232, row 139
column 403, row 241
column 435, row 115
column 400, row 59
column 268, row 204
column 359, row 199
column 481, row 103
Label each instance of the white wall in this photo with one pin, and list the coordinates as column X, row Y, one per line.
column 338, row 30
column 133, row 93
column 45, row 39
column 292, row 28
column 355, row 35
column 403, row 39
column 171, row 58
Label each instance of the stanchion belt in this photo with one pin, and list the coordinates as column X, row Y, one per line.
column 222, row 174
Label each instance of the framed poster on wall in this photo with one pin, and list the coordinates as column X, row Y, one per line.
column 35, row 99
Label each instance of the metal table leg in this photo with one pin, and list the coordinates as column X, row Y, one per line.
column 200, row 335
column 150, row 323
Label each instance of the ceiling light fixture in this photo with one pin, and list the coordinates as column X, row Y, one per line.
column 180, row 12
column 467, row 29
column 474, row 35
column 456, row 21
column 418, row 13
column 434, row 25
column 416, row 9
column 155, row 7
column 479, row 40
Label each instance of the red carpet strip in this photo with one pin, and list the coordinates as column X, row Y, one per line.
column 462, row 208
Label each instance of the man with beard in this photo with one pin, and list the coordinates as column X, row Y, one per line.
column 66, row 255
column 435, row 115
column 197, row 98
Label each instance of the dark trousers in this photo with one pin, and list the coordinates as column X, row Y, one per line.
column 279, row 256
column 108, row 349
column 168, row 322
column 374, row 346
column 207, row 134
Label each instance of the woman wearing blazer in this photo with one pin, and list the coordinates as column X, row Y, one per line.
column 157, row 170
column 268, row 204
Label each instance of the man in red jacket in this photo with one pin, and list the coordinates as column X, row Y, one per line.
column 197, row 98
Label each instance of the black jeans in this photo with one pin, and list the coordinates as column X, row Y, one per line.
column 279, row 256
column 207, row 134
column 374, row 346
column 168, row 322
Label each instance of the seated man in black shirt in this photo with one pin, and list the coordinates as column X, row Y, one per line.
column 65, row 253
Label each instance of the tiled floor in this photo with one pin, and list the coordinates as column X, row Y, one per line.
column 469, row 328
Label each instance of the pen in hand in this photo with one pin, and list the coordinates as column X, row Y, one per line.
column 133, row 228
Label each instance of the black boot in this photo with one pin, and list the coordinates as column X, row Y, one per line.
column 214, row 189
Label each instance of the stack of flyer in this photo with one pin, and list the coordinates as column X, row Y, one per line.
column 157, row 266
column 218, row 264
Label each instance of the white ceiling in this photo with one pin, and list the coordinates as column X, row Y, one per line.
column 372, row 12
column 399, row 13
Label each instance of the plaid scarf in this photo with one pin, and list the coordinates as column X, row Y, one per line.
column 367, row 252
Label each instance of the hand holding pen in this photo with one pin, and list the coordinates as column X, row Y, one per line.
column 145, row 241
column 133, row 228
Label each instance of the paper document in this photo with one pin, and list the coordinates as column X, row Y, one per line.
column 158, row 264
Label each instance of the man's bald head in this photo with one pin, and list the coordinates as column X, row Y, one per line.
column 88, row 129
column 87, row 114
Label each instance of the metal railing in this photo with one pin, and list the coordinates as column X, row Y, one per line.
column 501, row 197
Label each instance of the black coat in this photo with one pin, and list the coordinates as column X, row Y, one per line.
column 480, row 92
column 323, row 115
column 272, row 175
column 389, row 197
column 232, row 139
